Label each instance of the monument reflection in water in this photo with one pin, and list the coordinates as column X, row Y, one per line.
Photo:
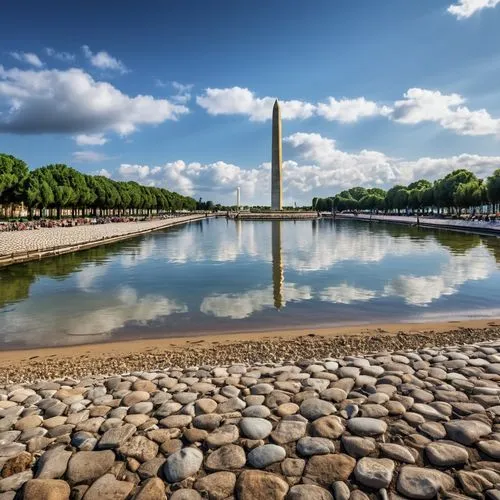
column 278, row 274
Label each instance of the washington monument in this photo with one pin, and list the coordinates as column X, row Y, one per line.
column 276, row 187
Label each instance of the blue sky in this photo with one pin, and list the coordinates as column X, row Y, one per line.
column 373, row 92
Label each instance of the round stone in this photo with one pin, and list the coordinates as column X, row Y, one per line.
column 135, row 397
column 328, row 427
column 37, row 489
column 257, row 411
column 228, row 457
column 183, row 464
column 288, row 431
column 364, row 426
column 225, row 434
column 29, row 422
column 87, row 466
column 326, row 469
column 287, row 409
column 419, row 483
column 259, row 485
column 217, row 486
column 357, row 446
column 491, row 448
column 255, row 428
column 308, row 492
column 262, row 456
column 397, row 452
column 467, row 432
column 374, row 472
column 309, row 446
column 314, row 408
column 442, row 454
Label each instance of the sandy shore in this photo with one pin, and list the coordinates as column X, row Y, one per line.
column 48, row 238
column 262, row 346
column 414, row 423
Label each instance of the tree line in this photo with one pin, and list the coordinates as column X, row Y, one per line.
column 55, row 188
column 460, row 189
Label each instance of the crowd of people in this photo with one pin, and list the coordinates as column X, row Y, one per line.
column 27, row 225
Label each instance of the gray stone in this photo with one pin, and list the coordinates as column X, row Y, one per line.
column 364, row 426
column 183, row 464
column 358, row 447
column 151, row 468
column 53, row 463
column 287, row 431
column 397, row 452
column 491, row 448
column 225, row 434
column 262, row 456
column 374, row 472
column 151, row 489
column 341, row 491
column 258, row 411
column 255, row 428
column 139, row 447
column 87, row 466
column 419, row 483
column 446, row 454
column 207, row 421
column 185, row 494
column 314, row 408
column 14, row 482
column 309, row 446
column 467, row 432
column 108, row 486
column 11, row 450
column 308, row 492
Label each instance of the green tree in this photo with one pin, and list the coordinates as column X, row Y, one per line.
column 493, row 187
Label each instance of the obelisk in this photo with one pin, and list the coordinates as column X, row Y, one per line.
column 277, row 157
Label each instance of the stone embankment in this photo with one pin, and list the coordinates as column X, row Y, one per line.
column 21, row 246
column 408, row 424
column 431, row 222
column 283, row 215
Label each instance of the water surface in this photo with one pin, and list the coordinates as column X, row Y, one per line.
column 220, row 276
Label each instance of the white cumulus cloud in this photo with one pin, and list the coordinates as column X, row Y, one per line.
column 71, row 101
column 417, row 106
column 242, row 101
column 28, row 58
column 321, row 169
column 103, row 60
column 350, row 110
column 421, row 105
column 464, row 9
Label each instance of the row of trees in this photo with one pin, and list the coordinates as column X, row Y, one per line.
column 59, row 187
column 459, row 190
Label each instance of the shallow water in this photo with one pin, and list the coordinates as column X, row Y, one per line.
column 217, row 275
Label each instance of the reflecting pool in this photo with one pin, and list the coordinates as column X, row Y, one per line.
column 220, row 275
